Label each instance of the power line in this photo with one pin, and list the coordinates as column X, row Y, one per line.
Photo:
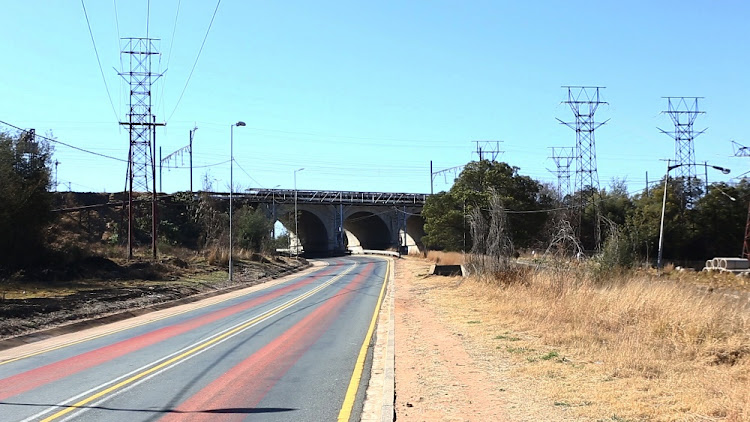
column 117, row 25
column 196, row 60
column 248, row 175
column 200, row 167
column 88, row 23
column 63, row 143
column 169, row 55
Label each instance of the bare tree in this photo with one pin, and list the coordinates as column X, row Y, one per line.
column 492, row 248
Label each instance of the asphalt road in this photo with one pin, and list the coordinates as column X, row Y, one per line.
column 289, row 352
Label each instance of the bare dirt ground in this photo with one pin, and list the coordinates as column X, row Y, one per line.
column 106, row 288
column 459, row 359
column 442, row 372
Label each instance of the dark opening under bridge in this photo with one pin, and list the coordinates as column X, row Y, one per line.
column 336, row 221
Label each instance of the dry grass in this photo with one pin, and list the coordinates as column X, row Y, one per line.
column 658, row 350
column 445, row 258
column 217, row 255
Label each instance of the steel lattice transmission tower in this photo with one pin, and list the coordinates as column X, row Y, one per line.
column 141, row 124
column 584, row 101
column 563, row 158
column 683, row 111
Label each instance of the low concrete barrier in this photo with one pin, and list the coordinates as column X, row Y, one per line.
column 447, row 270
column 378, row 252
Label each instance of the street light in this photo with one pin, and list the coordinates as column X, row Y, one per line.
column 273, row 214
column 664, row 203
column 296, row 228
column 231, row 189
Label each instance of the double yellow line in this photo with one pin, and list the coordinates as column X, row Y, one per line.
column 194, row 350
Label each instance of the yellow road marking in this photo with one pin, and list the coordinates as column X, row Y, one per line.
column 195, row 349
column 351, row 392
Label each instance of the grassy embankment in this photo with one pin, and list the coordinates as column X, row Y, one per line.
column 632, row 346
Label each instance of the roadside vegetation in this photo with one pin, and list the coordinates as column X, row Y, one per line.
column 634, row 345
column 45, row 231
column 63, row 255
column 698, row 224
column 603, row 332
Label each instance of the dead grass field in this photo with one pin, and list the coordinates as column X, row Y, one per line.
column 445, row 258
column 631, row 347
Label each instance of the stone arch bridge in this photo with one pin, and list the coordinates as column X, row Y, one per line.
column 335, row 221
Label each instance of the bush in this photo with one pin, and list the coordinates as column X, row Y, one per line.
column 253, row 229
column 617, row 254
column 25, row 200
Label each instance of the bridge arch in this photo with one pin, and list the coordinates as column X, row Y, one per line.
column 367, row 230
column 313, row 234
column 414, row 233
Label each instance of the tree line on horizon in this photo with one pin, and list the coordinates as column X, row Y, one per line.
column 32, row 235
column 697, row 225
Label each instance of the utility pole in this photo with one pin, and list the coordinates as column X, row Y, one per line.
column 57, row 163
column 154, row 207
column 743, row 151
column 584, row 101
column 683, row 111
column 180, row 152
column 192, row 133
column 141, row 124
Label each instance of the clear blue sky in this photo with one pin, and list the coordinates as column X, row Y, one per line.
column 364, row 94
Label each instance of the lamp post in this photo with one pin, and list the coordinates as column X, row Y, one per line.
column 231, row 189
column 296, row 228
column 273, row 214
column 664, row 203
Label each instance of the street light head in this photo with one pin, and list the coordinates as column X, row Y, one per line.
column 300, row 169
column 240, row 123
column 725, row 171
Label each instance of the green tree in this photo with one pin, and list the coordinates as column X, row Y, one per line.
column 721, row 221
column 445, row 225
column 25, row 199
column 645, row 218
column 445, row 212
column 179, row 223
column 615, row 203
column 253, row 228
column 696, row 226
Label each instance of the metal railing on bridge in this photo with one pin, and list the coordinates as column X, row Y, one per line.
column 330, row 197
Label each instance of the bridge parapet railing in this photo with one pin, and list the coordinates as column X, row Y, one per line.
column 331, row 197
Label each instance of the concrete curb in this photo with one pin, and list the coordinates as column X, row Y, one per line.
column 380, row 395
column 389, row 385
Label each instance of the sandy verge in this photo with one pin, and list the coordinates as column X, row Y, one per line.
column 441, row 375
